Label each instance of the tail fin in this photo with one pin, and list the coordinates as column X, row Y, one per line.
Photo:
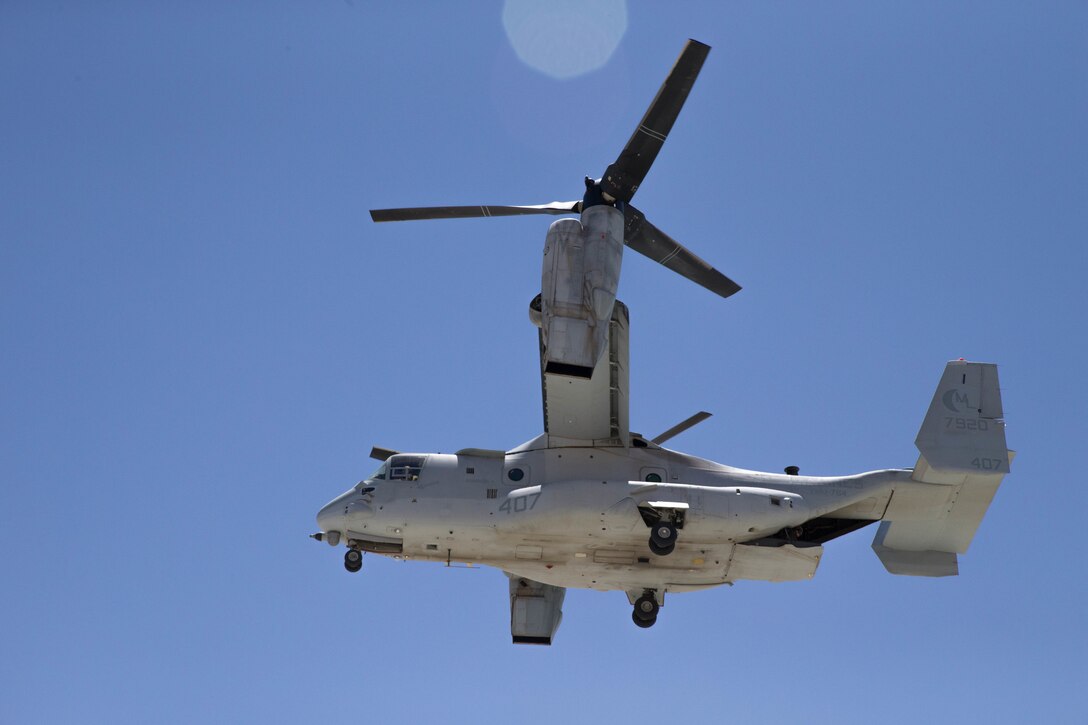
column 963, row 459
column 964, row 429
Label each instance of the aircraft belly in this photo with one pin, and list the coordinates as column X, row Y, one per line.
column 623, row 570
column 775, row 564
column 687, row 568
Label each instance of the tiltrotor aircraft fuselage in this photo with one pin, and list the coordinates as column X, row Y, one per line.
column 590, row 504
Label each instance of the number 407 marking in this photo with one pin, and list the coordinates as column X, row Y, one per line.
column 987, row 464
column 520, row 503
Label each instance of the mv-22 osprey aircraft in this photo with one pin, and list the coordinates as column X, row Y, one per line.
column 590, row 504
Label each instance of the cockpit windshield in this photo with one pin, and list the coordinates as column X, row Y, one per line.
column 399, row 468
column 405, row 468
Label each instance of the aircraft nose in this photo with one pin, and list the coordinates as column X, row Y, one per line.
column 330, row 516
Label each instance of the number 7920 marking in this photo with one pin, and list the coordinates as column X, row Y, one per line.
column 965, row 423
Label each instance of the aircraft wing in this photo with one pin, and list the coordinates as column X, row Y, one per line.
column 593, row 409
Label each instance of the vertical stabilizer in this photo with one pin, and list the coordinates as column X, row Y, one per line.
column 964, row 429
column 963, row 459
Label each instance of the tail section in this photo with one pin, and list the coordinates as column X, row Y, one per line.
column 963, row 459
column 964, row 429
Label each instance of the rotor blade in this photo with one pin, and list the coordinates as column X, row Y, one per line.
column 465, row 212
column 382, row 454
column 622, row 178
column 681, row 427
column 643, row 237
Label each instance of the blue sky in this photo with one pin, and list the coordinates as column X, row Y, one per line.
column 203, row 335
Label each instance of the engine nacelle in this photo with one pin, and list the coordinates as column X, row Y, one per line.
column 535, row 610
column 580, row 274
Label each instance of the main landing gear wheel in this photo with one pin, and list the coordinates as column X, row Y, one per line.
column 645, row 612
column 662, row 538
column 353, row 560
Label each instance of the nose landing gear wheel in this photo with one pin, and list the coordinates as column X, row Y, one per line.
column 353, row 560
column 645, row 612
column 662, row 538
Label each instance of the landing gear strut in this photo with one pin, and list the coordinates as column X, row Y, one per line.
column 646, row 608
column 663, row 538
column 353, row 560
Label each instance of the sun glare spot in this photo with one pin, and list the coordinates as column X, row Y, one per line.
column 564, row 38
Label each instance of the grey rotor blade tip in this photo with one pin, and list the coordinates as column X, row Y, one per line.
column 468, row 212
column 681, row 427
column 646, row 239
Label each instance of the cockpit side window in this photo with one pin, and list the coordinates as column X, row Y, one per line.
column 405, row 468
